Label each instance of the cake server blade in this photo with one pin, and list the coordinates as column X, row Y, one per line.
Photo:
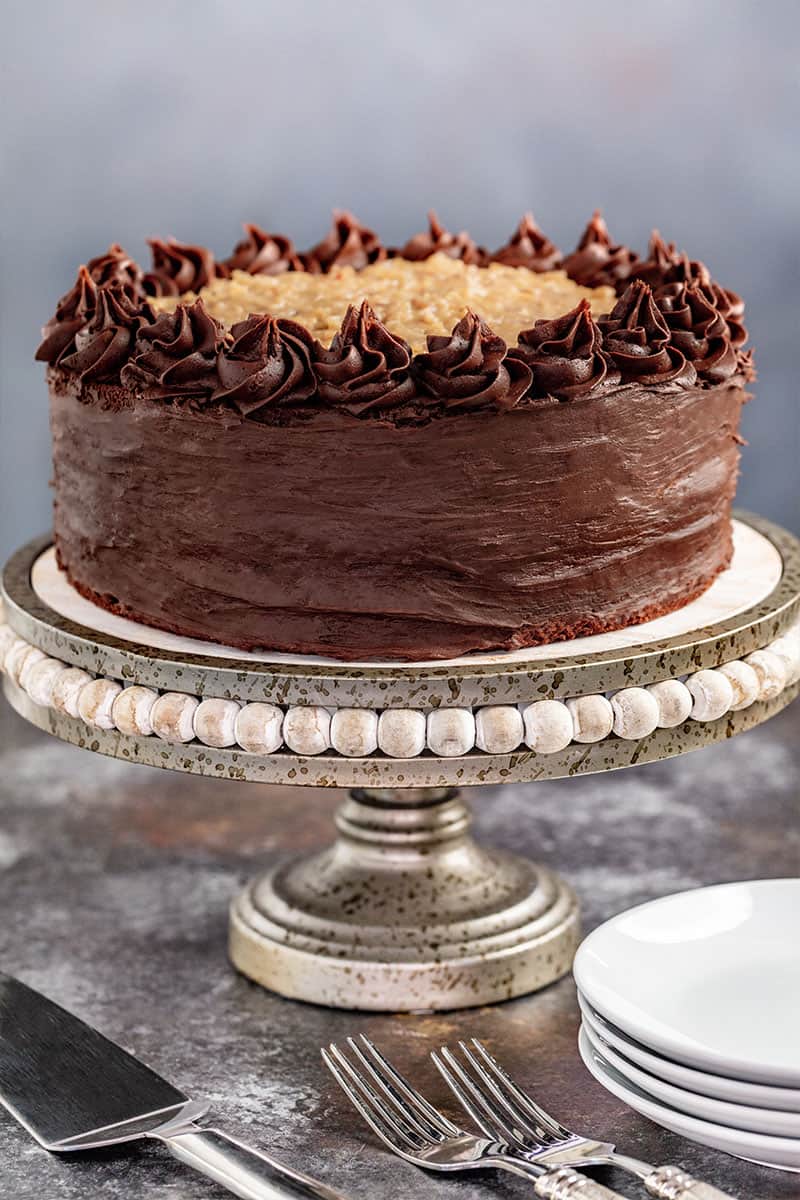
column 64, row 1081
column 73, row 1089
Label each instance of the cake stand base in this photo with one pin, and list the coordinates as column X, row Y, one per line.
column 405, row 912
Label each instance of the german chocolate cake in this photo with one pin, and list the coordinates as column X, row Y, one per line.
column 412, row 453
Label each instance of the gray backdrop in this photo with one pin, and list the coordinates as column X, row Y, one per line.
column 128, row 119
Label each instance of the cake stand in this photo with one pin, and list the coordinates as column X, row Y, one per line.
column 405, row 911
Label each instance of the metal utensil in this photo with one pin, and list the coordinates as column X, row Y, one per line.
column 412, row 1128
column 501, row 1109
column 73, row 1089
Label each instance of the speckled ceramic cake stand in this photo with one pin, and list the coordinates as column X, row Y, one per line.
column 405, row 911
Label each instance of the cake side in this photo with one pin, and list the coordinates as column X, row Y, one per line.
column 371, row 540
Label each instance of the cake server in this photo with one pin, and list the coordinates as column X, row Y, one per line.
column 73, row 1089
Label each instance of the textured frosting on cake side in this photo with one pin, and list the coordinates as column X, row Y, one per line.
column 371, row 540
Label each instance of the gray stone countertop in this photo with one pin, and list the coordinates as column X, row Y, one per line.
column 114, row 882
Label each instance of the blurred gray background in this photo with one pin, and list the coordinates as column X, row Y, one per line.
column 185, row 117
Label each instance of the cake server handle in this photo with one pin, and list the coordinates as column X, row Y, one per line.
column 672, row 1183
column 248, row 1173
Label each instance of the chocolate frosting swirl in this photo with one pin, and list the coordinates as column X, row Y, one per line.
column 596, row 261
column 666, row 268
column 745, row 365
column 267, row 361
column 566, row 355
column 178, row 268
column 638, row 339
column 699, row 331
column 348, row 244
column 73, row 311
column 440, row 240
column 175, row 355
column 470, row 369
column 76, row 308
column 117, row 266
column 103, row 344
column 666, row 264
column 261, row 253
column 528, row 247
column 367, row 368
column 730, row 306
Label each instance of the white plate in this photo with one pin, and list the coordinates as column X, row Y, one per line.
column 756, row 1147
column 736, row 1116
column 719, row 1087
column 710, row 977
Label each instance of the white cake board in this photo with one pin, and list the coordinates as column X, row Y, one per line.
column 755, row 570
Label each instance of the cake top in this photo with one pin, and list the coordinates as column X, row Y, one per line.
column 439, row 324
column 415, row 299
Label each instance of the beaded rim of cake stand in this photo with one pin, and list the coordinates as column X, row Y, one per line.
column 471, row 684
column 543, row 726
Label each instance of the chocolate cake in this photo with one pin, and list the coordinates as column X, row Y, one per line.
column 412, row 453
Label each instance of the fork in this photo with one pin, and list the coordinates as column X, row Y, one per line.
column 502, row 1110
column 411, row 1127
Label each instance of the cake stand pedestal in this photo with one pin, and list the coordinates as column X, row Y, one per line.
column 405, row 911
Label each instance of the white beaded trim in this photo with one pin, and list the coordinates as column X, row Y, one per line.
column 543, row 726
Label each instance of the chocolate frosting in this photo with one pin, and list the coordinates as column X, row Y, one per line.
column 267, row 361
column 731, row 308
column 348, row 244
column 375, row 540
column 367, row 368
column 439, row 240
column 745, row 366
column 666, row 265
column 103, row 345
column 178, row 268
column 76, row 308
column 470, row 370
column 175, row 355
column 665, row 268
column 261, row 253
column 638, row 339
column 528, row 247
column 698, row 330
column 596, row 261
column 566, row 355
column 73, row 311
column 117, row 266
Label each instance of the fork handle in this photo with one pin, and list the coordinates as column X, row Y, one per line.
column 671, row 1183
column 565, row 1184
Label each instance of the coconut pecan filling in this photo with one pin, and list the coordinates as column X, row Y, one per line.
column 413, row 299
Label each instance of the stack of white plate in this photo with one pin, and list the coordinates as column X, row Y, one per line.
column 691, row 1015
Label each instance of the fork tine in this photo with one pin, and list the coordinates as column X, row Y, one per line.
column 423, row 1106
column 472, row 1099
column 355, row 1099
column 523, row 1100
column 375, row 1112
column 416, row 1110
column 534, row 1130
